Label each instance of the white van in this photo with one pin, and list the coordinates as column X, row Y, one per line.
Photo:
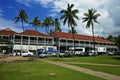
column 78, row 50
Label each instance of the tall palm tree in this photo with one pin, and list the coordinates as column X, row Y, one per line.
column 47, row 22
column 36, row 22
column 69, row 17
column 74, row 31
column 91, row 18
column 22, row 16
column 57, row 25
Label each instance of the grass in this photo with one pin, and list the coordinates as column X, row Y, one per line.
column 37, row 70
column 107, row 69
column 97, row 59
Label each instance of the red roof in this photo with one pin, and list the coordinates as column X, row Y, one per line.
column 80, row 37
column 33, row 33
column 7, row 31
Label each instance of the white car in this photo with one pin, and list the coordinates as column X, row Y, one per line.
column 42, row 55
column 24, row 53
column 16, row 54
column 91, row 53
column 27, row 54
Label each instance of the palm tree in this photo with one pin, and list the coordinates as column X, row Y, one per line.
column 69, row 17
column 91, row 17
column 35, row 23
column 57, row 25
column 47, row 22
column 74, row 31
column 22, row 16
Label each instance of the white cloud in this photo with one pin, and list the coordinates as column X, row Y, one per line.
column 107, row 20
column 9, row 24
column 25, row 2
column 4, row 23
column 1, row 11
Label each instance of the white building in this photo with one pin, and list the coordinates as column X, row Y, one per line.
column 33, row 40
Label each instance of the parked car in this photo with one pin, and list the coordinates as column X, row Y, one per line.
column 84, row 54
column 45, row 54
column 92, row 53
column 62, row 55
column 16, row 54
column 24, row 53
column 110, row 53
column 27, row 53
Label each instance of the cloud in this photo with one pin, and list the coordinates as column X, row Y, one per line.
column 4, row 23
column 109, row 19
column 1, row 11
column 114, row 11
column 25, row 2
column 8, row 23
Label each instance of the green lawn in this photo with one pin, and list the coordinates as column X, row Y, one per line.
column 107, row 69
column 37, row 70
column 97, row 59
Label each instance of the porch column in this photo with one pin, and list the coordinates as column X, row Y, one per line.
column 21, row 43
column 36, row 45
column 28, row 42
column 66, row 44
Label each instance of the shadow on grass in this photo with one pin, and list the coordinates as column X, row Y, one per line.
column 116, row 57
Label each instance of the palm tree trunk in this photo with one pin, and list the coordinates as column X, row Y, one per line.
column 73, row 41
column 74, row 44
column 93, row 38
column 45, row 40
column 21, row 44
column 22, row 25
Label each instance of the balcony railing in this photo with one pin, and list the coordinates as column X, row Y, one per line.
column 17, row 41
column 63, row 43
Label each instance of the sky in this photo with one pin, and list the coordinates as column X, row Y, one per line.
column 109, row 21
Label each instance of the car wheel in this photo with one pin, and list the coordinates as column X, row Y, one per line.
column 29, row 55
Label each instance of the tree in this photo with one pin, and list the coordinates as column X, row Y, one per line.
column 35, row 23
column 57, row 25
column 22, row 16
column 110, row 37
column 69, row 17
column 116, row 40
column 91, row 17
column 47, row 22
column 74, row 31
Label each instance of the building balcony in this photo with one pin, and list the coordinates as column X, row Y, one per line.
column 17, row 41
column 62, row 43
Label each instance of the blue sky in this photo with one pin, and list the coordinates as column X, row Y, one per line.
column 109, row 10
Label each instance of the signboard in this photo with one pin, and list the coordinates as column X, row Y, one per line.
column 101, row 49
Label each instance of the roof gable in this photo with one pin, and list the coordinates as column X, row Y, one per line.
column 33, row 33
column 7, row 31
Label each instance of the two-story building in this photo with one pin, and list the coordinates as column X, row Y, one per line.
column 28, row 40
column 32, row 40
column 65, row 40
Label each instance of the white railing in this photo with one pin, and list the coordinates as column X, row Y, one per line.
column 17, row 40
column 63, row 43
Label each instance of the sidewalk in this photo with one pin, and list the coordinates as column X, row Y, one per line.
column 96, row 64
column 84, row 70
